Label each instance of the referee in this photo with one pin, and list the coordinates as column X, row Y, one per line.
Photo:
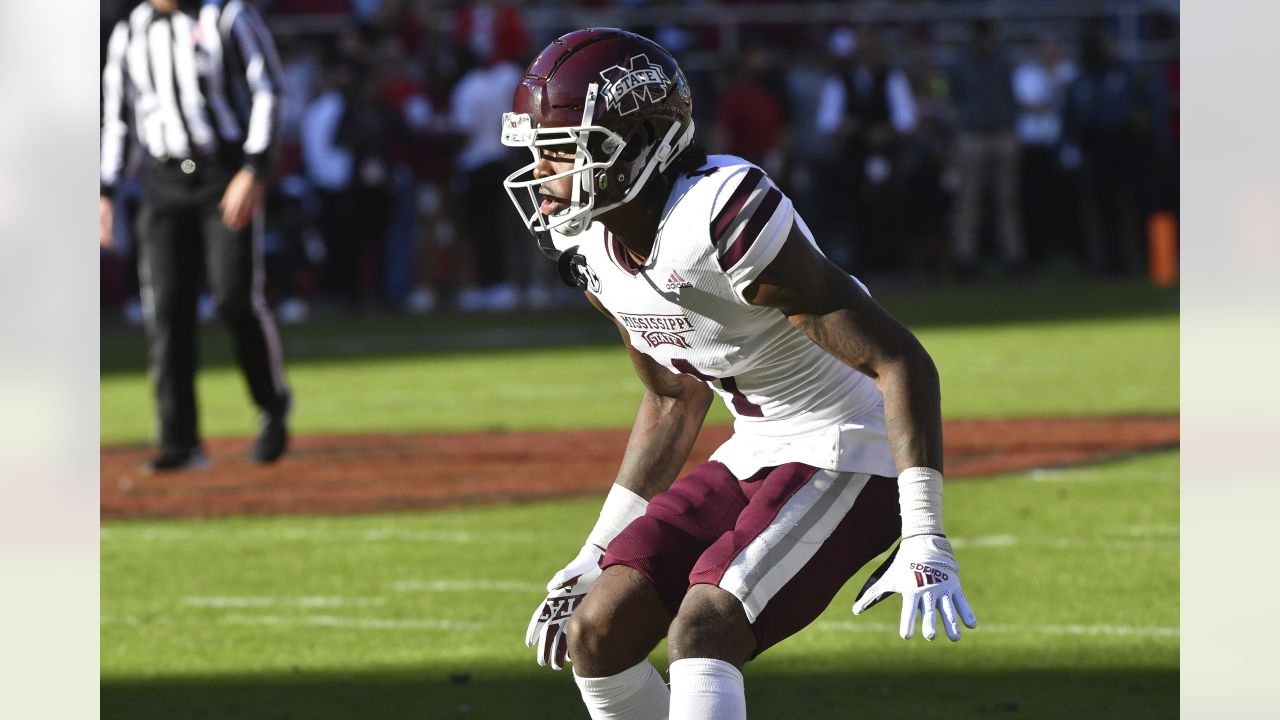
column 199, row 83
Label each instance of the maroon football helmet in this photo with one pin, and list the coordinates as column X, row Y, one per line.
column 619, row 100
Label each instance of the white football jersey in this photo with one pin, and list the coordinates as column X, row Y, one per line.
column 791, row 400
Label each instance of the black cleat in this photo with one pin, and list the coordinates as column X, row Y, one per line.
column 273, row 436
column 172, row 459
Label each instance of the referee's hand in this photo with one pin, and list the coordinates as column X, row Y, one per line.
column 241, row 200
column 106, row 234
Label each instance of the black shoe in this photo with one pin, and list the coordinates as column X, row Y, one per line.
column 172, row 459
column 273, row 436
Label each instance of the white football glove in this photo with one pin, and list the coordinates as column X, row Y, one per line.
column 565, row 593
column 925, row 571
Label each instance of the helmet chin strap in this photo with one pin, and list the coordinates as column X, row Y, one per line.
column 545, row 244
column 673, row 151
column 663, row 155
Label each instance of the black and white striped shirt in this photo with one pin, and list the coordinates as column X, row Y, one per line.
column 200, row 80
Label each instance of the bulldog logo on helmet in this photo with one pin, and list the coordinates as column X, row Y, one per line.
column 625, row 87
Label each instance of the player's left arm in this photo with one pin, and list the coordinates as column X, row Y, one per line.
column 246, row 192
column 835, row 312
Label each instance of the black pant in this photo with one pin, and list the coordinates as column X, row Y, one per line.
column 1112, row 197
column 1046, row 220
column 180, row 229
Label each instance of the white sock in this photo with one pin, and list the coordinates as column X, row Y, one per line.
column 637, row 693
column 705, row 689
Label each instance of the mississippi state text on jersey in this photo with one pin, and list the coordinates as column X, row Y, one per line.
column 791, row 401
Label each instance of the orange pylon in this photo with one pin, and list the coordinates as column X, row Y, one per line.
column 1162, row 247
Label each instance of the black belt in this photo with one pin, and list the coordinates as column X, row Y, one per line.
column 189, row 165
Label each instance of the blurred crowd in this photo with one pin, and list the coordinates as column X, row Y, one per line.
column 925, row 148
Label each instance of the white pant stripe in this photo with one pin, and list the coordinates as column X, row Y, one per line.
column 778, row 553
column 275, row 356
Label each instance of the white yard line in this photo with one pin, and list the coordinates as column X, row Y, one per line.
column 1129, row 541
column 222, row 535
column 333, row 621
column 1086, row 474
column 1055, row 630
column 1134, row 537
column 270, row 601
column 1107, row 544
column 1148, row 531
column 467, row 586
column 985, row 541
column 854, row 626
column 359, row 623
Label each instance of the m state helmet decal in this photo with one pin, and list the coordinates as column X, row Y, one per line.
column 625, row 87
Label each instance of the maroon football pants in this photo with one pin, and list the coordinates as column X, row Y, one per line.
column 783, row 541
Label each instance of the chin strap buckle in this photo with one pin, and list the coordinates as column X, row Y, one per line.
column 570, row 263
column 572, row 266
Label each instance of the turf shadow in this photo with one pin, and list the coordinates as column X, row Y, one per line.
column 479, row 693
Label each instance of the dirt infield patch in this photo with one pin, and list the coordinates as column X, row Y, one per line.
column 338, row 474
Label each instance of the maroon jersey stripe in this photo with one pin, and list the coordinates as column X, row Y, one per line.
column 744, row 406
column 737, row 200
column 687, row 368
column 743, row 242
column 619, row 253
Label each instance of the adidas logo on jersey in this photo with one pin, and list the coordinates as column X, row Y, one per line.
column 675, row 282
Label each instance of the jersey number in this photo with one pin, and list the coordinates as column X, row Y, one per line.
column 745, row 407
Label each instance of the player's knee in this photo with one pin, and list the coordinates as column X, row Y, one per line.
column 589, row 632
column 618, row 623
column 711, row 624
column 583, row 635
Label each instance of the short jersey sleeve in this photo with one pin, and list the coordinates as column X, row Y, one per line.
column 750, row 220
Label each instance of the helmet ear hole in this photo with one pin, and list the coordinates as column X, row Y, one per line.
column 637, row 142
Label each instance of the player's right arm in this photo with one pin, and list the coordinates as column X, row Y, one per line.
column 666, row 426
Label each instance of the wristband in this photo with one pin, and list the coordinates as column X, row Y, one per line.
column 620, row 508
column 920, row 498
column 256, row 163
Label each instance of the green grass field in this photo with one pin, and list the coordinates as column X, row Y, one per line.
column 1073, row 572
column 1009, row 351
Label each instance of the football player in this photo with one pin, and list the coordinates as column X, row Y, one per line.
column 718, row 288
